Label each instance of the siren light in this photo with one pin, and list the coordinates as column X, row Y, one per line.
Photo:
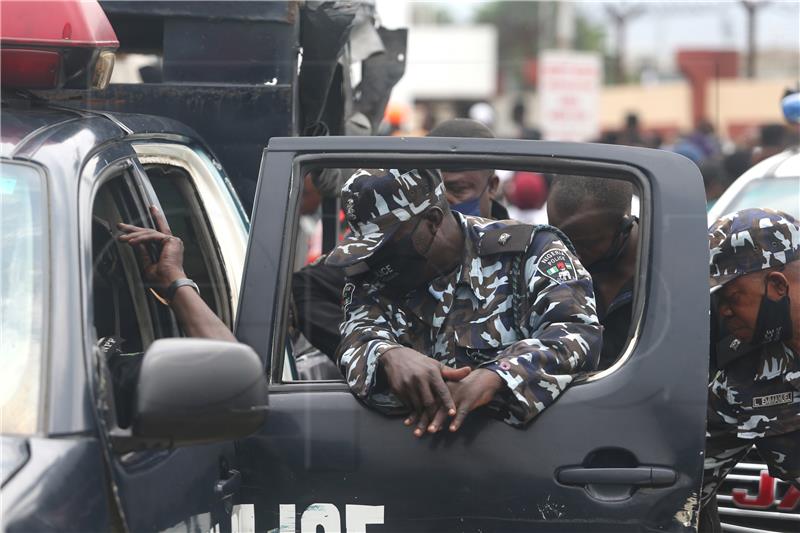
column 55, row 44
column 791, row 106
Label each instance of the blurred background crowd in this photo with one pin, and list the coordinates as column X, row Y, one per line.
column 702, row 79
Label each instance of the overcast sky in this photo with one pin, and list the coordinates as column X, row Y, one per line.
column 666, row 26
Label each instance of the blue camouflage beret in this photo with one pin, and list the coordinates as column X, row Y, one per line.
column 376, row 202
column 749, row 241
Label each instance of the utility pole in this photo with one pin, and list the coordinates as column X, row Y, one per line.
column 620, row 15
column 751, row 9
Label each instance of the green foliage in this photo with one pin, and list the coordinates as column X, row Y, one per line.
column 518, row 25
column 588, row 37
column 525, row 28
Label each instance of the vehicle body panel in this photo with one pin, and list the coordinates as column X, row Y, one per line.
column 62, row 487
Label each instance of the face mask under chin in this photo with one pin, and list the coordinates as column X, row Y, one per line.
column 471, row 207
column 608, row 260
column 774, row 321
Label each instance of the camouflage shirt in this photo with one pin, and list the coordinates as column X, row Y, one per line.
column 756, row 395
column 466, row 318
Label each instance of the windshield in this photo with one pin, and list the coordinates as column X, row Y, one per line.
column 780, row 194
column 22, row 293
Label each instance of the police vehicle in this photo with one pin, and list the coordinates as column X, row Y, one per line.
column 67, row 176
column 621, row 450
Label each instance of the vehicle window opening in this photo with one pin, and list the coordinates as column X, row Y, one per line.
column 602, row 242
column 123, row 325
column 188, row 220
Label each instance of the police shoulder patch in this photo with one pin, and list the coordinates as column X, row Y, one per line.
column 557, row 265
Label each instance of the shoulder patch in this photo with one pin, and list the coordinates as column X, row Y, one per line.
column 510, row 239
column 557, row 265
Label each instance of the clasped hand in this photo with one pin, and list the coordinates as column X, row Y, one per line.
column 435, row 391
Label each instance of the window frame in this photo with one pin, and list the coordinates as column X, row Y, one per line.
column 302, row 163
column 145, row 320
column 215, row 194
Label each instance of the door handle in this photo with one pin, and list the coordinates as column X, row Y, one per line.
column 225, row 488
column 640, row 476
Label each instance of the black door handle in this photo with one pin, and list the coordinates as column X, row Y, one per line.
column 640, row 476
column 225, row 488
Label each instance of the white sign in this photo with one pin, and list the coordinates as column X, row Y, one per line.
column 450, row 62
column 569, row 95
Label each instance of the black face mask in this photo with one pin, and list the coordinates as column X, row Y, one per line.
column 774, row 322
column 608, row 260
column 400, row 268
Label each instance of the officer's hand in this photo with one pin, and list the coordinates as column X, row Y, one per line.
column 419, row 382
column 169, row 266
column 475, row 390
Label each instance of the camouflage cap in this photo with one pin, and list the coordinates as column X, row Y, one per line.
column 376, row 202
column 749, row 241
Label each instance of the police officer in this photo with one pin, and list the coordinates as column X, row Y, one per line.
column 470, row 191
column 595, row 213
column 317, row 288
column 754, row 395
column 445, row 313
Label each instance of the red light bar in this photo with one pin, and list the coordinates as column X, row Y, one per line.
column 50, row 44
column 55, row 23
column 31, row 69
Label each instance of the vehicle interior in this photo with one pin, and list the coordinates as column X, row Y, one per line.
column 187, row 218
column 521, row 194
column 126, row 310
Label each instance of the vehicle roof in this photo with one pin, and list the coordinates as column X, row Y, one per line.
column 27, row 124
column 783, row 165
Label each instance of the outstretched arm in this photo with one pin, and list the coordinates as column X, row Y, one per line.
column 194, row 316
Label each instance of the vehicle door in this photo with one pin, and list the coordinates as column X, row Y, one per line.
column 619, row 450
column 178, row 489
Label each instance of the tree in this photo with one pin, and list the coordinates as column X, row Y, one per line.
column 621, row 14
column 520, row 34
column 526, row 28
column 588, row 37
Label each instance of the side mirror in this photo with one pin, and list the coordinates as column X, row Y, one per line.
column 192, row 391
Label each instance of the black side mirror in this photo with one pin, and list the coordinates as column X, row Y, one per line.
column 192, row 391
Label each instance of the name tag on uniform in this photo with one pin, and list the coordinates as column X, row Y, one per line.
column 773, row 399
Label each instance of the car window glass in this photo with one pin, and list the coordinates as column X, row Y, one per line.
column 314, row 312
column 127, row 315
column 778, row 193
column 23, row 283
column 188, row 220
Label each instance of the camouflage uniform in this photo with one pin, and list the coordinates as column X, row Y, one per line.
column 754, row 395
column 536, row 338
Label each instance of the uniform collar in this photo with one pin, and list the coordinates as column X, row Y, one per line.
column 475, row 269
